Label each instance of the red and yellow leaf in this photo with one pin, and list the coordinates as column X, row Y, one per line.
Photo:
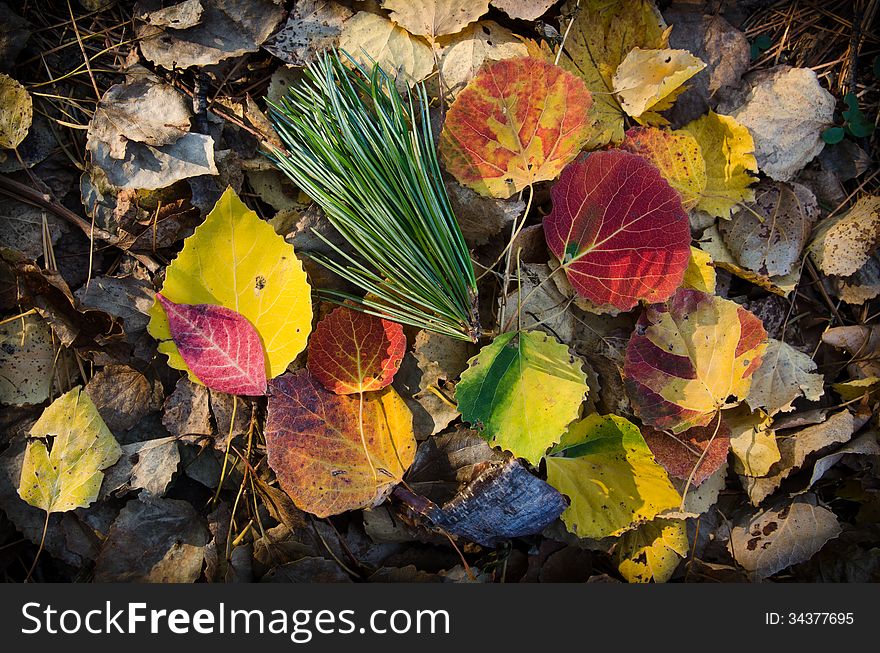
column 351, row 351
column 618, row 229
column 517, row 122
column 323, row 459
column 220, row 346
column 688, row 355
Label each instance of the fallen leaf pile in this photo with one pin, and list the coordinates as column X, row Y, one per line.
column 674, row 220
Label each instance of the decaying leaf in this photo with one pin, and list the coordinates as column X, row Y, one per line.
column 782, row 535
column 68, row 475
column 123, row 396
column 600, row 36
column 523, row 9
column 312, row 26
column 219, row 346
column 652, row 551
column 433, row 18
column 646, row 79
column 352, row 352
column 688, row 356
column 618, row 229
column 865, row 445
column 481, row 218
column 237, row 261
column 521, row 391
column 727, row 149
column 843, row 243
column 794, row 448
column 316, row 442
column 786, row 110
column 149, row 466
column 222, row 29
column 370, row 38
column 677, row 156
column 16, row 112
column 519, row 121
column 27, row 361
column 860, row 341
column 768, row 234
column 609, row 474
column 785, row 374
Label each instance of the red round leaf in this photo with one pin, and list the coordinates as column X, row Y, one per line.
column 679, row 454
column 351, row 351
column 618, row 229
column 219, row 346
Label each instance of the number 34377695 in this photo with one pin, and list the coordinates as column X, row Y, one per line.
column 809, row 618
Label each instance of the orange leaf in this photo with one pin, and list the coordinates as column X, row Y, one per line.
column 517, row 122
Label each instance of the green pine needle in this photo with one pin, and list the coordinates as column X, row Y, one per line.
column 366, row 155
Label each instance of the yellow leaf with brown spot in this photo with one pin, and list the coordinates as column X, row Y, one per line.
column 646, row 77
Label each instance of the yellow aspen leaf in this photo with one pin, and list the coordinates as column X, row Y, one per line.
column 69, row 476
column 646, row 77
column 752, row 440
column 237, row 261
column 16, row 112
column 370, row 39
column 688, row 356
column 857, row 388
column 601, row 34
column 519, row 121
column 700, row 273
column 433, row 18
column 652, row 551
column 608, row 472
column 678, row 157
column 728, row 150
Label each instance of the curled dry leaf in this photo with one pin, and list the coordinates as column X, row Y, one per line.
column 608, row 472
column 433, row 18
column 312, row 27
column 370, row 38
column 768, row 234
column 687, row 356
column 785, row 375
column 521, row 391
column 618, row 229
column 842, row 244
column 237, row 261
column 519, row 121
column 862, row 343
column 352, row 352
column 648, row 80
column 219, row 346
column 319, row 442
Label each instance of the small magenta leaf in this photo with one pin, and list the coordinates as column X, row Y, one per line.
column 221, row 347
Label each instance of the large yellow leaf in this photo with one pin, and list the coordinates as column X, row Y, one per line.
column 236, row 260
column 433, row 18
column 375, row 39
column 70, row 475
column 728, row 150
column 608, row 472
column 647, row 77
column 688, row 356
column 601, row 35
column 652, row 551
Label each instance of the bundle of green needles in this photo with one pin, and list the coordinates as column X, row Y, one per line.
column 365, row 154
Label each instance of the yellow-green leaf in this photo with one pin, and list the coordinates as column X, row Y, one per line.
column 236, row 260
column 600, row 36
column 608, row 472
column 728, row 150
column 69, row 476
column 652, row 551
column 16, row 112
column 521, row 391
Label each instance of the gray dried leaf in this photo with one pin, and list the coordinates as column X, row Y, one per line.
column 21, row 227
column 860, row 287
column 149, row 466
column 865, row 445
column 154, row 540
column 481, row 218
column 782, row 535
column 785, row 375
column 27, row 361
column 225, row 28
column 768, row 235
column 312, row 26
column 123, row 396
column 543, row 306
